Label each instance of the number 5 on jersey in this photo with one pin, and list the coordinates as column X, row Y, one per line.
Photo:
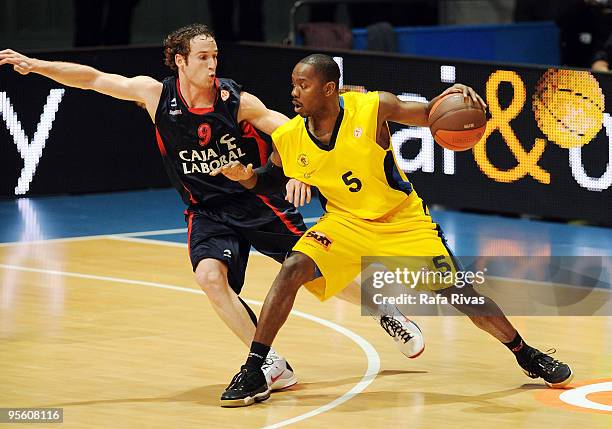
column 353, row 183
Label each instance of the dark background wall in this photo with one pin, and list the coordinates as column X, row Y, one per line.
column 100, row 144
column 43, row 24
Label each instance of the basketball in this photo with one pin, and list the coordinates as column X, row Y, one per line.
column 456, row 122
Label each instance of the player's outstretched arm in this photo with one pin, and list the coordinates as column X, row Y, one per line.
column 268, row 178
column 255, row 112
column 252, row 110
column 143, row 89
column 414, row 113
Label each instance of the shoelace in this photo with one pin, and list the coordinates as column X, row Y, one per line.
column 267, row 363
column 544, row 360
column 395, row 329
column 237, row 379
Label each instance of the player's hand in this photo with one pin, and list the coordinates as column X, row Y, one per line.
column 298, row 193
column 21, row 63
column 467, row 92
column 235, row 171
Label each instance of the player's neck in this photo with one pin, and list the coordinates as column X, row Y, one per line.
column 322, row 124
column 197, row 96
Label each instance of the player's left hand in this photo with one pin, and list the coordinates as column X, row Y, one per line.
column 235, row 171
column 467, row 92
column 298, row 193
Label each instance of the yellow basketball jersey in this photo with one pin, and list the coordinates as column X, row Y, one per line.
column 353, row 173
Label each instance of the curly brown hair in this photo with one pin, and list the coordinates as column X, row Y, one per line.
column 178, row 42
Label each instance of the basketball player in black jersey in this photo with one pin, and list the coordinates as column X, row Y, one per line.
column 203, row 122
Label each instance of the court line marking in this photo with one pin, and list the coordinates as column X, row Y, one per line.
column 136, row 239
column 578, row 396
column 130, row 237
column 155, row 232
column 52, row 240
column 133, row 239
column 371, row 354
column 120, row 234
column 122, row 237
column 159, row 242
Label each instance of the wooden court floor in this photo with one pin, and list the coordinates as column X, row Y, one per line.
column 116, row 333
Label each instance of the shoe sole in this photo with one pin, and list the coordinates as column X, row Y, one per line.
column 560, row 385
column 416, row 355
column 245, row 402
column 284, row 383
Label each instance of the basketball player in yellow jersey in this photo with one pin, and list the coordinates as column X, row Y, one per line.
column 341, row 144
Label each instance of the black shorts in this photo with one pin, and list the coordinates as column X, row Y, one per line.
column 273, row 227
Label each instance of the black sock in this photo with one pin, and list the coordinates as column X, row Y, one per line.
column 518, row 347
column 257, row 355
column 251, row 312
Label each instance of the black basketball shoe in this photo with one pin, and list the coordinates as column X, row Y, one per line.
column 247, row 387
column 536, row 364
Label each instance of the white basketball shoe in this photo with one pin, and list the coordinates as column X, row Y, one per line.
column 406, row 334
column 278, row 372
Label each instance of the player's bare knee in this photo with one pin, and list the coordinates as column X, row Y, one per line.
column 212, row 281
column 296, row 270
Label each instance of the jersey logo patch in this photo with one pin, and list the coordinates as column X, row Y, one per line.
column 302, row 160
column 204, row 133
column 228, row 140
column 224, row 94
column 319, row 238
column 358, row 132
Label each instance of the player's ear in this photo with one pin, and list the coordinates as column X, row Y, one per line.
column 180, row 60
column 329, row 88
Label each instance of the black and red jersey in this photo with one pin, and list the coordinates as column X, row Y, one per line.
column 195, row 141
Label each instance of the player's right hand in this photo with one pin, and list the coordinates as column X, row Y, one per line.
column 467, row 92
column 235, row 171
column 21, row 63
column 298, row 193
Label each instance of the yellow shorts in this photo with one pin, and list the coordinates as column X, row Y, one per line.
column 338, row 242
